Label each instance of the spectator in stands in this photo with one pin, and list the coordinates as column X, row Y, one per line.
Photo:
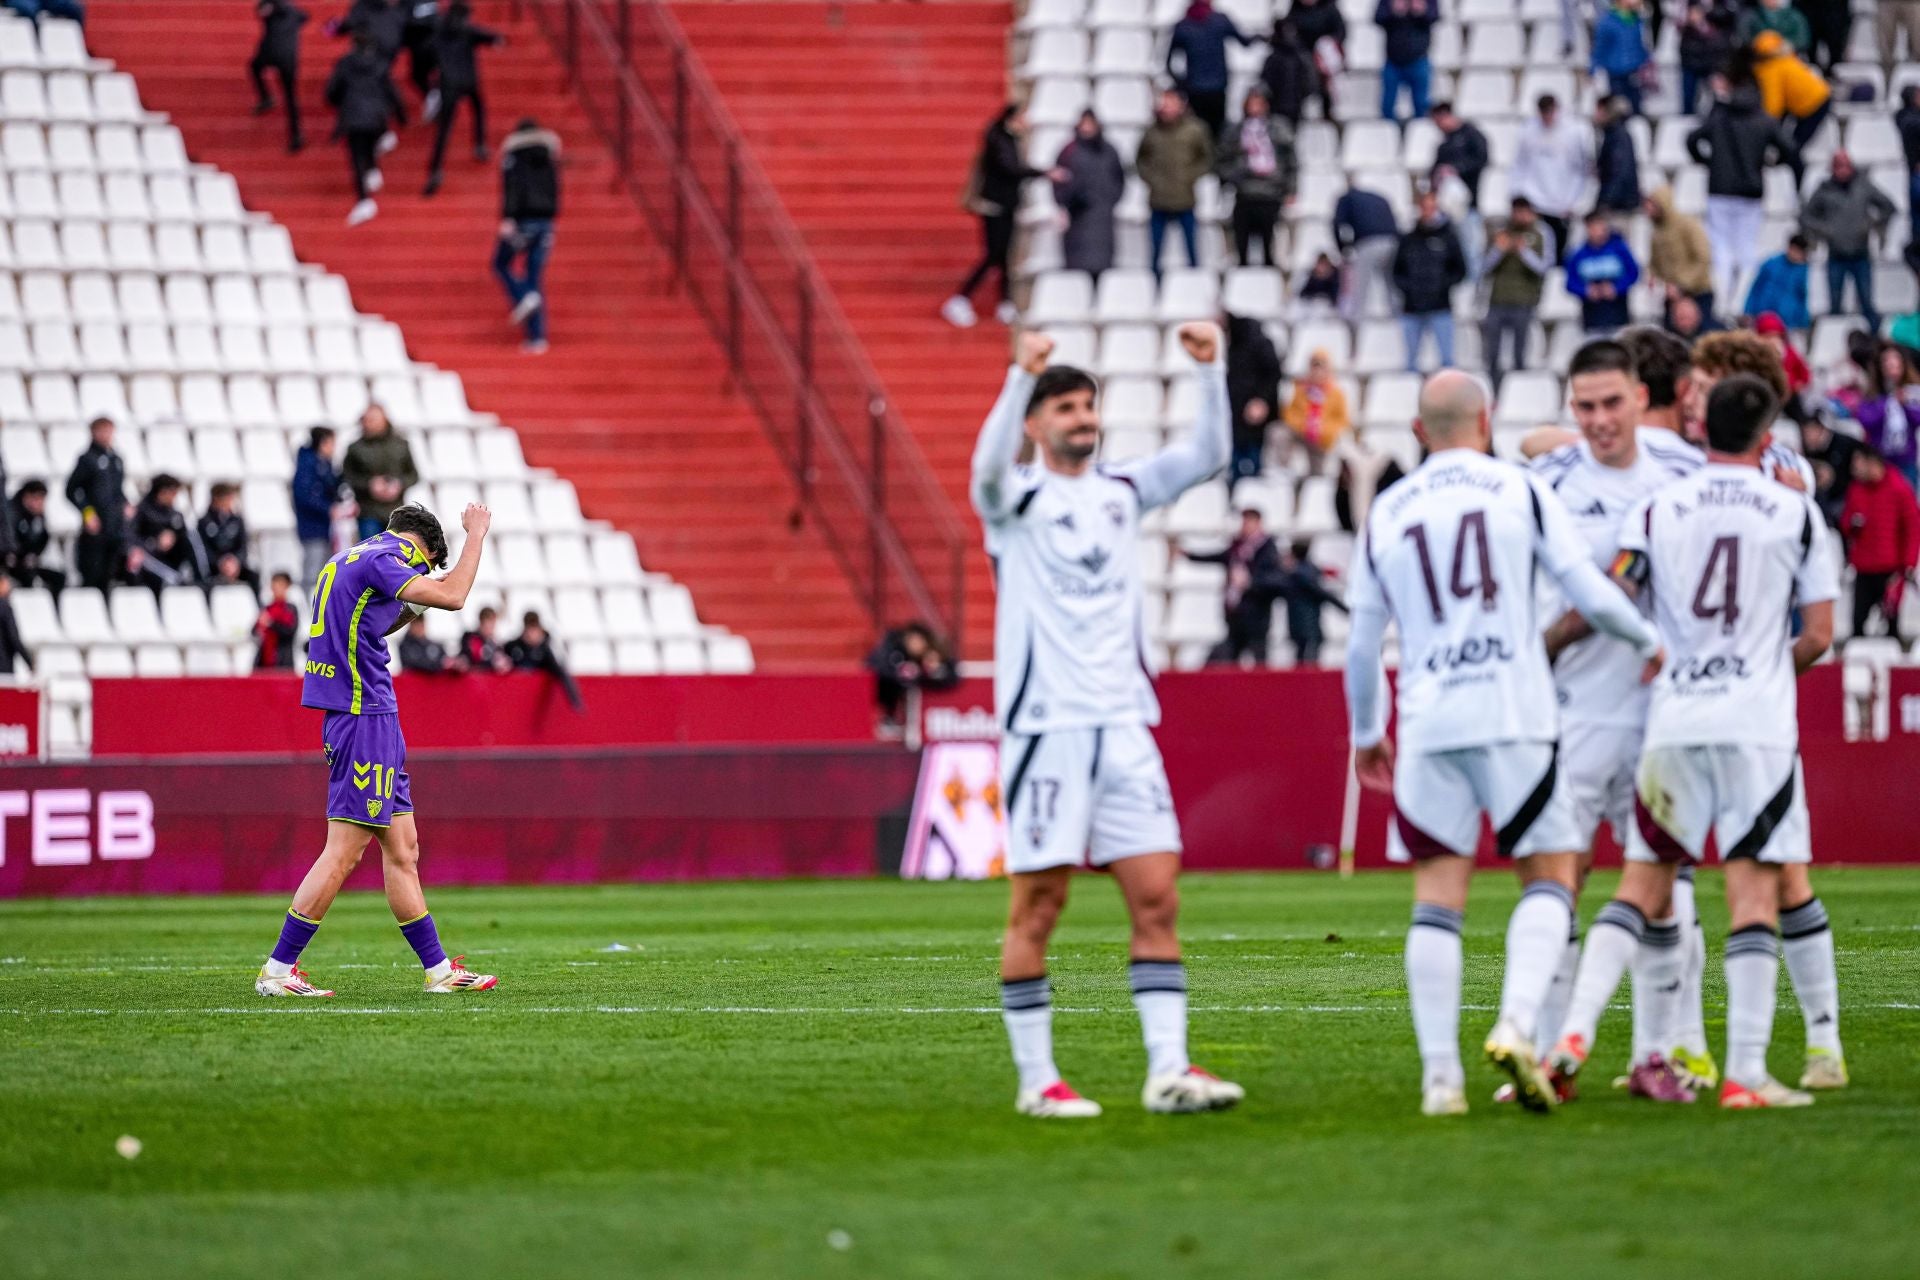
column 1832, row 457
column 1890, row 416
column 1252, row 562
column 1830, row 26
column 1304, row 589
column 1289, row 75
column 1736, row 142
column 1706, row 40
column 993, row 196
column 1847, row 211
column 97, row 488
column 12, row 648
column 420, row 652
column 379, row 469
column 1780, row 286
column 1253, row 392
column 457, row 40
column 1686, row 319
column 1368, row 237
column 1258, row 162
column 1890, row 18
column 381, row 23
column 1771, row 329
column 1679, row 258
column 316, row 492
column 27, row 521
column 532, row 650
column 1601, row 273
column 908, row 657
column 361, row 93
column 1617, row 165
column 279, row 52
column 1462, row 152
column 423, row 54
column 1853, row 377
column 9, row 543
column 172, row 555
column 274, row 629
column 1408, row 25
column 1317, row 415
column 1550, row 167
column 1620, row 53
column 529, row 204
column 479, row 648
column 1319, row 289
column 1775, row 16
column 1427, row 265
column 1907, row 121
column 1515, row 271
column 1881, row 525
column 223, row 538
column 1089, row 181
column 1175, row 153
column 1789, row 90
column 1197, row 61
column 1323, row 30
column 1364, row 471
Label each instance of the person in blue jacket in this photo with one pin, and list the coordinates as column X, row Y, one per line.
column 1781, row 286
column 1620, row 51
column 1200, row 39
column 1601, row 273
column 316, row 488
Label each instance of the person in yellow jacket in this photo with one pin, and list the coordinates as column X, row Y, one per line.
column 1790, row 89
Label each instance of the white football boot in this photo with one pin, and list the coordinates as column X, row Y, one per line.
column 457, row 978
column 1058, row 1101
column 1444, row 1100
column 288, row 984
column 1192, row 1090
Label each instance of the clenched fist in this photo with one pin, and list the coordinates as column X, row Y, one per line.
column 1201, row 340
column 1032, row 350
column 475, row 520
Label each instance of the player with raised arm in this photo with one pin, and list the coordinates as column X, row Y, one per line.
column 363, row 595
column 1726, row 555
column 1449, row 554
column 1073, row 689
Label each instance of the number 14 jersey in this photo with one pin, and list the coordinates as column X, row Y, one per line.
column 1729, row 553
column 1450, row 553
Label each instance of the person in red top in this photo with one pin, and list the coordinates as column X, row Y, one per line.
column 1881, row 524
column 275, row 627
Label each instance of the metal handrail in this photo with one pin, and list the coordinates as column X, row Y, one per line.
column 790, row 349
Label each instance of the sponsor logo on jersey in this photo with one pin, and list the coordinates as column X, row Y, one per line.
column 1597, row 511
column 1475, row 651
column 321, row 669
column 1719, row 667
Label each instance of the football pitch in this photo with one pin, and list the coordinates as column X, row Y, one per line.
column 811, row 1079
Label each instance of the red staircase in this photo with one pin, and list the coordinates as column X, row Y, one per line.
column 630, row 404
column 866, row 117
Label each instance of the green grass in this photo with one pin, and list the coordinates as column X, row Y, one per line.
column 775, row 1063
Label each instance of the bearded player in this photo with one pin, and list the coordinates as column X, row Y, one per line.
column 362, row 596
column 1073, row 690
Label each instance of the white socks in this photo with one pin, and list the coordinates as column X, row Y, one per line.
column 1690, row 1029
column 1160, row 994
column 278, row 968
column 1027, row 1006
column 1657, row 988
column 1807, row 940
column 1612, row 943
column 1536, row 944
column 1433, row 984
column 1553, row 1010
column 1753, row 974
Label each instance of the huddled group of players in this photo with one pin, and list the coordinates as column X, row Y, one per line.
column 1610, row 634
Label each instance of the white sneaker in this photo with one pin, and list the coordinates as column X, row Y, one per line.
column 1007, row 314
column 388, row 141
column 1514, row 1054
column 1191, row 1090
column 362, row 212
column 1444, row 1100
column 959, row 313
column 431, row 109
column 1768, row 1093
column 375, row 181
column 526, row 307
column 1057, row 1101
column 288, row 984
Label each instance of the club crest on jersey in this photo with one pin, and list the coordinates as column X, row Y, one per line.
column 1116, row 514
column 373, row 808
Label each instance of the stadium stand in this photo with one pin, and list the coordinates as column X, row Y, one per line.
column 133, row 284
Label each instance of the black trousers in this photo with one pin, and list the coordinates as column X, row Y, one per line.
column 363, row 153
column 1559, row 228
column 97, row 556
column 1210, row 107
column 996, row 230
column 1246, row 634
column 52, row 579
column 1830, row 27
column 1253, row 223
column 450, row 99
column 1869, row 591
column 288, row 71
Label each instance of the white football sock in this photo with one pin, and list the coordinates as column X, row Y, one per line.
column 1027, row 1007
column 1433, row 984
column 278, row 968
column 1807, row 940
column 1657, row 987
column 1753, row 976
column 1160, row 996
column 1690, row 1027
column 1553, row 1010
column 439, row 971
column 1536, row 943
column 1612, row 943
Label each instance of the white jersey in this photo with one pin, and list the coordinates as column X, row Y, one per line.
column 1729, row 553
column 1070, row 648
column 1598, row 678
column 1780, row 457
column 1450, row 553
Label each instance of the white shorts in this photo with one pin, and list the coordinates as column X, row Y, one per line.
column 1085, row 797
column 1600, row 761
column 1753, row 800
column 1438, row 797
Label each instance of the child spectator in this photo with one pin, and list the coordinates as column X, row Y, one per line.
column 478, row 647
column 1317, row 413
column 1320, row 287
column 27, row 517
column 274, row 629
column 223, row 538
column 532, row 650
column 909, row 657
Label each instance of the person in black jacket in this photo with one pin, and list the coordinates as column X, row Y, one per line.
column 223, row 538
column 279, row 52
column 457, row 42
column 420, row 652
column 27, row 524
column 482, row 652
column 1427, row 265
column 98, row 490
column 993, row 196
column 1907, row 121
column 1408, row 25
column 909, row 657
column 171, row 554
column 1318, row 20
column 360, row 90
column 1305, row 591
column 382, row 24
column 1089, row 181
column 532, row 650
column 1737, row 142
column 529, row 203
column 12, row 647
column 423, row 54
column 1463, row 150
column 1253, row 393
column 1618, row 166
column 1289, row 74
column 1253, row 580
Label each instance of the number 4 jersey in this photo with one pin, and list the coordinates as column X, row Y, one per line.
column 1727, row 554
column 356, row 601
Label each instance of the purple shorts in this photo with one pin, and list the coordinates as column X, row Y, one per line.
column 366, row 768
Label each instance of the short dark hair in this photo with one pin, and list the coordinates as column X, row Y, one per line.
column 488, row 613
column 1867, row 449
column 1519, row 203
column 280, row 577
column 1546, row 102
column 319, row 436
column 1660, row 360
column 32, row 489
column 1798, row 241
column 1602, row 355
column 1441, row 108
column 163, row 481
column 225, row 489
column 423, row 524
column 1597, row 214
column 1739, row 412
column 101, row 421
column 1059, row 380
column 531, row 619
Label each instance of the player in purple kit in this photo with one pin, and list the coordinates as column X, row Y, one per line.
column 362, row 596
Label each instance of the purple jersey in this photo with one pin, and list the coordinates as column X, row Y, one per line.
column 356, row 601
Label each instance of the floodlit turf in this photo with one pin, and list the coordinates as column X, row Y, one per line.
column 811, row 1080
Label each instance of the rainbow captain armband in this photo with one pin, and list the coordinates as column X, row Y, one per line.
column 1630, row 567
